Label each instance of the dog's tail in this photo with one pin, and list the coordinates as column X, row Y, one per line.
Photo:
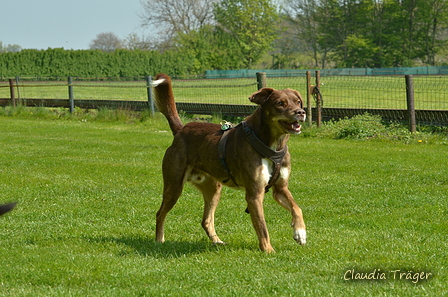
column 164, row 101
column 7, row 207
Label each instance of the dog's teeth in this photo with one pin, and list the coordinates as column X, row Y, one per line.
column 296, row 126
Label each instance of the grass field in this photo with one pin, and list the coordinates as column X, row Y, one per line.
column 389, row 92
column 88, row 193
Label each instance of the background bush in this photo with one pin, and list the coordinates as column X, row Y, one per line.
column 94, row 63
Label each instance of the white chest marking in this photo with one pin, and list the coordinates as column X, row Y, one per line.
column 284, row 172
column 266, row 165
column 267, row 168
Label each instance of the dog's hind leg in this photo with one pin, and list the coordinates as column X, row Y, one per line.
column 170, row 197
column 211, row 191
column 173, row 178
column 283, row 196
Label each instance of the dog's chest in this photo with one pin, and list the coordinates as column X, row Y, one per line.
column 267, row 169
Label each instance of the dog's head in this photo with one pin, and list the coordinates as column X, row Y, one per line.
column 283, row 107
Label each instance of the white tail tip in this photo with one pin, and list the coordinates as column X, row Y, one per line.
column 155, row 83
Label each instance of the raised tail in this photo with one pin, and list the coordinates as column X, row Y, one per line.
column 164, row 101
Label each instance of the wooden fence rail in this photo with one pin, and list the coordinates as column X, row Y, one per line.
column 320, row 113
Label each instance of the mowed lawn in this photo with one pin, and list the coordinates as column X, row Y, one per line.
column 88, row 192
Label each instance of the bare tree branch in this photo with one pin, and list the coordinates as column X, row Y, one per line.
column 170, row 17
column 107, row 42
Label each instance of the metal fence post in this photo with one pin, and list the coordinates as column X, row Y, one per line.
column 71, row 97
column 11, row 92
column 261, row 80
column 309, row 108
column 410, row 103
column 149, row 90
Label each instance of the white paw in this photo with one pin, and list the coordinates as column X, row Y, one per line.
column 219, row 243
column 300, row 236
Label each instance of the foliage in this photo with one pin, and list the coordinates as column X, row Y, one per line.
column 251, row 23
column 9, row 48
column 211, row 49
column 359, row 51
column 358, row 127
column 390, row 32
column 94, row 63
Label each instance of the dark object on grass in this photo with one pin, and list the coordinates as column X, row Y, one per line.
column 7, row 207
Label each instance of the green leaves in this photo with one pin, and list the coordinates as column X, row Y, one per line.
column 251, row 23
column 93, row 63
column 394, row 33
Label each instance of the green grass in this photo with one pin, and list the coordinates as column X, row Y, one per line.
column 88, row 192
column 389, row 92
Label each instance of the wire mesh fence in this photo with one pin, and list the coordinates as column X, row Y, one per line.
column 215, row 91
column 354, row 94
column 381, row 92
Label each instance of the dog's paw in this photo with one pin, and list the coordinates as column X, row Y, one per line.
column 219, row 242
column 300, row 236
column 155, row 83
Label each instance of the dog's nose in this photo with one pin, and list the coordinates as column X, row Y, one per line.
column 301, row 115
column 301, row 112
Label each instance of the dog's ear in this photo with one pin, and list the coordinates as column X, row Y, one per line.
column 295, row 92
column 261, row 95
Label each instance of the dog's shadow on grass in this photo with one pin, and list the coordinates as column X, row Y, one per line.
column 150, row 248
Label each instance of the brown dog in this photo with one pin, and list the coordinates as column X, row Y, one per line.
column 199, row 155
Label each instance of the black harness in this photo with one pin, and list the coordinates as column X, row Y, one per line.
column 275, row 156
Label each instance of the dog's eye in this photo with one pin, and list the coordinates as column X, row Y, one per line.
column 281, row 103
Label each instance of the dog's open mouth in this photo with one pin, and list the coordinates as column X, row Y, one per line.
column 293, row 127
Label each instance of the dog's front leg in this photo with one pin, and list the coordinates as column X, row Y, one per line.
column 255, row 205
column 283, row 196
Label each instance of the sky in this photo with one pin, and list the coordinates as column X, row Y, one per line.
column 42, row 24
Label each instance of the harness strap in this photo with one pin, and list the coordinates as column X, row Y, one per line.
column 275, row 156
column 222, row 155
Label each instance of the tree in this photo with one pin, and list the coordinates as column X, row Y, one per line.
column 10, row 48
column 210, row 49
column 303, row 20
column 360, row 52
column 107, row 42
column 436, row 18
column 171, row 17
column 251, row 23
column 134, row 42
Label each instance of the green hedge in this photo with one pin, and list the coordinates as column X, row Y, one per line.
column 93, row 63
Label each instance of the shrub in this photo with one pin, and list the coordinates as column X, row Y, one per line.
column 358, row 127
